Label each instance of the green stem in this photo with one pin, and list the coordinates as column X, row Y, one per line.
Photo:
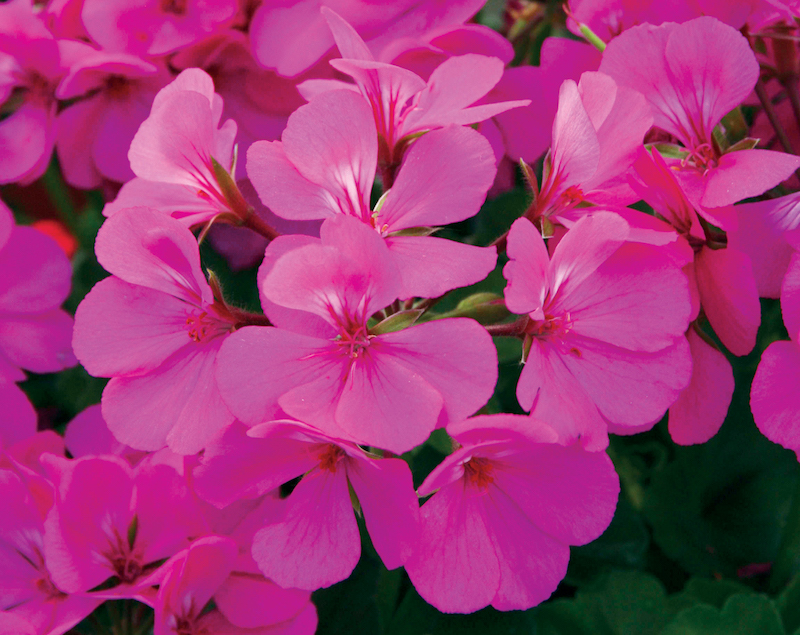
column 788, row 558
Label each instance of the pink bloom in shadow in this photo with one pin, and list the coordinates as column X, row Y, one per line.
column 311, row 539
column 506, row 506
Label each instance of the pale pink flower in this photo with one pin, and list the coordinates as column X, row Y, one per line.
column 596, row 355
column 692, row 75
column 155, row 327
column 326, row 367
column 510, row 502
column 325, row 166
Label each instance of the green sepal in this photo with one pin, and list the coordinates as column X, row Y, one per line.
column 669, row 150
column 354, row 498
column 748, row 143
column 133, row 529
column 484, row 307
column 396, row 322
column 416, row 231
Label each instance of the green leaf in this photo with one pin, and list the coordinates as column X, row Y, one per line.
column 788, row 603
column 414, row 616
column 742, row 614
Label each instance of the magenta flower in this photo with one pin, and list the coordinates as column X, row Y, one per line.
column 597, row 134
column 311, row 539
column 95, row 132
column 155, row 327
column 154, row 27
column 692, row 74
column 173, row 151
column 27, row 589
column 403, row 104
column 509, row 503
column 110, row 520
column 244, row 604
column 35, row 278
column 326, row 365
column 293, row 37
column 774, row 397
column 325, row 166
column 596, row 356
column 30, row 68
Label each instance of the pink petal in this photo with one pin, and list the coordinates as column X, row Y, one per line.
column 385, row 402
column 236, row 465
column 759, row 234
column 178, row 404
column 531, row 562
column 774, row 397
column 36, row 273
column 147, row 248
column 76, row 124
column 586, row 246
column 11, row 624
column 455, row 567
column 88, row 434
column 316, row 543
column 456, row 264
column 250, row 602
column 40, row 343
column 701, row 408
column 568, row 493
column 348, row 41
column 180, row 201
column 576, row 149
column 282, row 188
column 454, row 86
column 643, row 312
column 257, row 365
column 19, row 418
column 25, row 139
column 747, row 173
column 790, row 298
column 729, row 296
column 443, row 179
column 552, row 393
column 95, row 506
column 629, row 387
column 526, row 270
column 391, row 510
column 124, row 329
column 333, row 142
column 456, row 356
column 712, row 68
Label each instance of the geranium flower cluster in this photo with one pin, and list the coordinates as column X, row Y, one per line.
column 221, row 478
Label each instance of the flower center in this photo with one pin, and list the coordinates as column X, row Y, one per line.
column 552, row 327
column 353, row 341
column 479, row 472
column 203, row 326
column 118, row 87
column 329, row 457
column 701, row 158
column 178, row 7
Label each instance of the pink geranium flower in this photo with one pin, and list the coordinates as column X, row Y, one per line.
column 244, row 604
column 325, row 166
column 774, row 397
column 692, row 75
column 597, row 133
column 95, row 132
column 311, row 540
column 155, row 327
column 30, row 68
column 328, row 367
column 27, row 589
column 155, row 27
column 110, row 520
column 403, row 104
column 35, row 278
column 596, row 356
column 509, row 503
